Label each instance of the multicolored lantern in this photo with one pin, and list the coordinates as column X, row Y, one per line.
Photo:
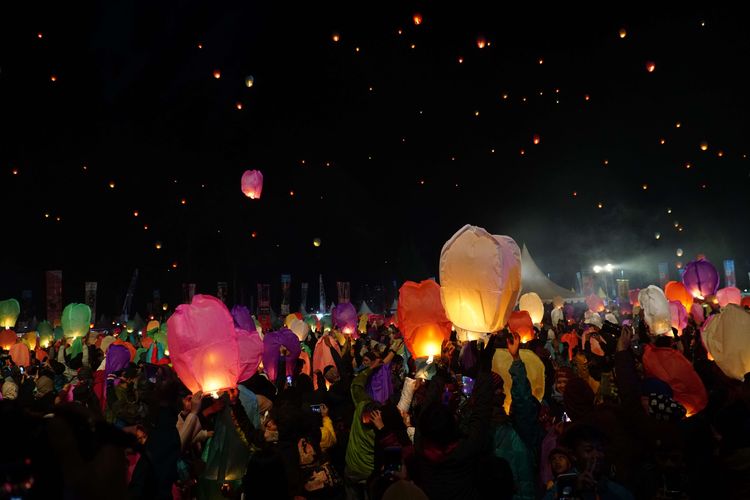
column 250, row 353
column 595, row 303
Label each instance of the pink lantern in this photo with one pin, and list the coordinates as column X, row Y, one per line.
column 729, row 295
column 203, row 345
column 633, row 296
column 19, row 353
column 250, row 352
column 252, row 184
column 679, row 315
column 595, row 303
column 696, row 311
column 701, row 278
column 322, row 356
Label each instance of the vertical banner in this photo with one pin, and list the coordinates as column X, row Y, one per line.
column 286, row 283
column 222, row 290
column 623, row 286
column 322, row 290
column 264, row 306
column 729, row 278
column 663, row 274
column 156, row 302
column 188, row 291
column 54, row 296
column 191, row 291
column 587, row 284
column 303, row 299
column 91, row 298
column 343, row 291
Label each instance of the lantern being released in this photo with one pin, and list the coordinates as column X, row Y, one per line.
column 701, row 278
column 670, row 366
column 501, row 362
column 674, row 290
column 595, row 303
column 345, row 317
column 480, row 276
column 252, row 184
column 203, row 345
column 520, row 323
column 679, row 315
column 9, row 311
column 7, row 339
column 531, row 303
column 76, row 320
column 726, row 338
column 729, row 295
column 656, row 310
column 422, row 319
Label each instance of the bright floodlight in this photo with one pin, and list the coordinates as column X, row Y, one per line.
column 597, row 269
column 609, row 268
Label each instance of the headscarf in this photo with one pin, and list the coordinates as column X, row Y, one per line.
column 44, row 385
column 662, row 407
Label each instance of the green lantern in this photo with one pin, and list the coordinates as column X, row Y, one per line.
column 46, row 333
column 9, row 311
column 76, row 319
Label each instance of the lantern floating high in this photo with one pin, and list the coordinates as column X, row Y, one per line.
column 252, row 184
column 701, row 278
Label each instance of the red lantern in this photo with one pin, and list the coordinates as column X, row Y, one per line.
column 633, row 296
column 417, row 18
column 672, row 367
column 745, row 302
column 674, row 290
column 422, row 318
column 520, row 323
column 7, row 339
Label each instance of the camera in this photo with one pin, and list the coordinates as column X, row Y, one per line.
column 566, row 486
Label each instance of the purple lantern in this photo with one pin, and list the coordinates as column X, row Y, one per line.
column 271, row 343
column 345, row 317
column 701, row 278
column 242, row 318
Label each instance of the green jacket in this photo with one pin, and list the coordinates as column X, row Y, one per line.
column 360, row 452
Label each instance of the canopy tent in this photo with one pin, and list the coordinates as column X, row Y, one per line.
column 364, row 309
column 534, row 280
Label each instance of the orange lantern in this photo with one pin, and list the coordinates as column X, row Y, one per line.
column 674, row 290
column 19, row 353
column 422, row 319
column 40, row 355
column 417, row 18
column 7, row 339
column 520, row 323
column 595, row 303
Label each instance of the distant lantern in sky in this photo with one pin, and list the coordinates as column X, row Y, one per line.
column 678, row 125
column 158, row 245
column 254, row 234
column 135, row 213
column 679, row 252
column 217, row 74
column 645, row 187
column 600, row 205
column 417, row 18
column 650, row 66
column 704, row 146
column 586, row 97
column 669, row 210
column 662, row 141
column 53, row 78
column 720, row 154
column 336, row 37
column 111, row 184
column 238, row 106
column 252, row 184
column 249, row 81
column 676, row 224
column 316, row 242
column 460, row 60
column 657, row 235
column 481, row 42
column 537, row 139
column 541, row 61
column 623, row 33
column 183, row 201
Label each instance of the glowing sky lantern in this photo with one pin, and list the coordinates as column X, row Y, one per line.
column 7, row 339
column 249, row 81
column 726, row 338
column 30, row 339
column 336, row 37
column 345, row 317
column 250, row 353
column 701, row 278
column 623, row 33
column 657, row 235
column 670, row 366
column 704, row 146
column 422, row 318
column 481, row 42
column 300, row 329
column 679, row 252
column 46, row 333
column 679, row 315
column 520, row 323
column 536, row 139
column 674, row 290
column 656, row 310
column 252, row 184
column 729, row 295
column 531, row 303
column 696, row 311
column 595, row 303
column 203, row 345
column 316, row 242
column 480, row 279
column 19, row 353
column 272, row 342
column 501, row 362
column 417, row 18
column 650, row 66
column 558, row 302
column 9, row 311
column 76, row 320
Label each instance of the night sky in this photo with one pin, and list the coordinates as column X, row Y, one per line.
column 390, row 139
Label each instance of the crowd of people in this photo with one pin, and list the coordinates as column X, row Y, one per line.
column 376, row 423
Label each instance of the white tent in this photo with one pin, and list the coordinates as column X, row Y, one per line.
column 364, row 309
column 534, row 280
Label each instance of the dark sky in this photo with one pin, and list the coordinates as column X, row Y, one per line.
column 384, row 176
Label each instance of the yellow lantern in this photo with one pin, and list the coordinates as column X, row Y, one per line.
column 29, row 339
column 531, row 303
column 501, row 362
column 480, row 279
column 726, row 339
column 427, row 341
